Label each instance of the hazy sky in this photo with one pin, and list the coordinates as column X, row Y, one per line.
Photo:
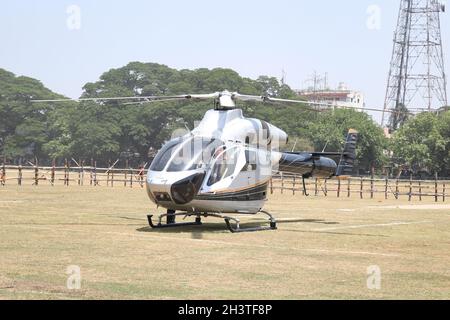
column 44, row 40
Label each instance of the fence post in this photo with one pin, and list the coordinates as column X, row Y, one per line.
column 436, row 187
column 420, row 190
column 112, row 177
column 443, row 191
column 131, row 177
column 339, row 188
column 397, row 190
column 65, row 172
column 52, row 179
column 293, row 187
column 126, row 173
column 107, row 174
column 36, row 172
column 386, row 188
column 82, row 172
column 79, row 174
column 95, row 174
column 4, row 172
column 410, row 187
column 361, row 189
column 19, row 178
column 80, row 168
column 68, row 173
column 90, row 172
column 371, row 185
column 349, row 187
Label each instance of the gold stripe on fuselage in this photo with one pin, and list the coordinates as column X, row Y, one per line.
column 241, row 189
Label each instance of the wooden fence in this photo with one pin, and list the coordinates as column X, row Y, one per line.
column 352, row 187
column 363, row 187
column 66, row 175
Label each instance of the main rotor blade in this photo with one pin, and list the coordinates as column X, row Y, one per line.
column 226, row 99
column 330, row 105
column 244, row 97
column 148, row 98
column 102, row 99
column 241, row 97
column 152, row 101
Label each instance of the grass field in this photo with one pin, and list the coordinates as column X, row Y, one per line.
column 322, row 249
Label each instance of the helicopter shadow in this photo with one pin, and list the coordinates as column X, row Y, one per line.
column 209, row 228
column 197, row 231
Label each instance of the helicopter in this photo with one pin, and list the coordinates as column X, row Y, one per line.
column 223, row 166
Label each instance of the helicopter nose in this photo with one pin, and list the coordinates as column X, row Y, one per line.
column 184, row 191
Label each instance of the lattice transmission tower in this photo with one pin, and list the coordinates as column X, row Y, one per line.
column 417, row 80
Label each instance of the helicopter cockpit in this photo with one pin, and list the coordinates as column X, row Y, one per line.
column 184, row 154
column 184, row 166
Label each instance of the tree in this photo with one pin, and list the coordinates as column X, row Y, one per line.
column 332, row 126
column 399, row 117
column 23, row 127
column 444, row 130
column 422, row 143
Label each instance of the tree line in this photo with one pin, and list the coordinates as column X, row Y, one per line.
column 108, row 130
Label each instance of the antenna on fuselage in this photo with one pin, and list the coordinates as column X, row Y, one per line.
column 326, row 145
column 295, row 144
column 187, row 128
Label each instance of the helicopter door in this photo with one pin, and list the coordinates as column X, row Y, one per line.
column 225, row 169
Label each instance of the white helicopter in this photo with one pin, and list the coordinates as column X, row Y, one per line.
column 224, row 165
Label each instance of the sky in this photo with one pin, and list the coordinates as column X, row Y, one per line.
column 66, row 44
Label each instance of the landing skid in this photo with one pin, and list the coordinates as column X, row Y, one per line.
column 233, row 224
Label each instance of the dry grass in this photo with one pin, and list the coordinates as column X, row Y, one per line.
column 322, row 249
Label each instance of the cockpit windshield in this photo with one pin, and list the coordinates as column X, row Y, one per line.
column 164, row 155
column 194, row 154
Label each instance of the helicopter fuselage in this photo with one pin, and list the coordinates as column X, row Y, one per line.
column 225, row 164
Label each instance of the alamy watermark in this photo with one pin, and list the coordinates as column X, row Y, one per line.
column 373, row 21
column 74, row 279
column 73, row 21
column 374, row 278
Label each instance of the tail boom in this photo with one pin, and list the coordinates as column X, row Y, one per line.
column 319, row 164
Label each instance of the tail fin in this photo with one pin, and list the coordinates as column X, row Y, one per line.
column 348, row 155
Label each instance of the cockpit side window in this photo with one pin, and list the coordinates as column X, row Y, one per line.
column 163, row 156
column 224, row 166
column 251, row 160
